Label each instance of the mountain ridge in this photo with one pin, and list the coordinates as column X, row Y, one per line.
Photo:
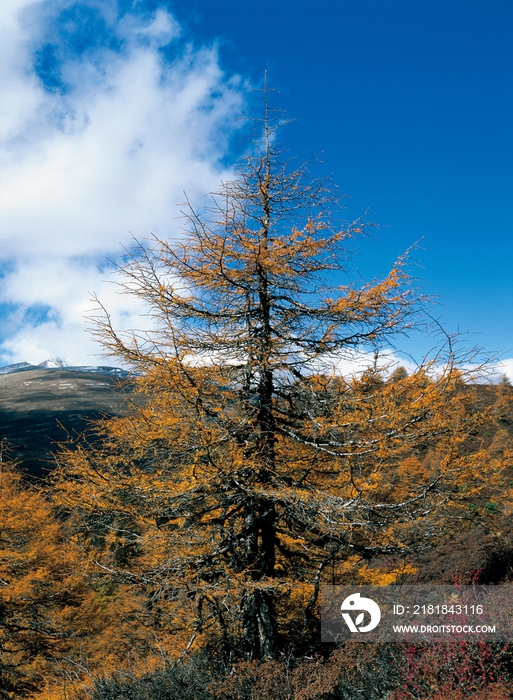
column 60, row 363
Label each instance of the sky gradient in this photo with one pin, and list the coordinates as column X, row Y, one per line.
column 110, row 110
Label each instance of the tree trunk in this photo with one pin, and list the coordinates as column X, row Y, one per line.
column 259, row 624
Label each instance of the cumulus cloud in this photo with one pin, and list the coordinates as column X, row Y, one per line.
column 105, row 119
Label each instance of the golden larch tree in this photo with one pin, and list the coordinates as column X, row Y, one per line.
column 253, row 468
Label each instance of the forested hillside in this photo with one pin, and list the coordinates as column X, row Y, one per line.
column 84, row 606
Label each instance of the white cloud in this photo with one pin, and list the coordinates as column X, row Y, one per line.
column 160, row 30
column 361, row 361
column 504, row 368
column 61, row 330
column 80, row 169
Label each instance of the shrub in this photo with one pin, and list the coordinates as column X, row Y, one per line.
column 451, row 670
column 181, row 681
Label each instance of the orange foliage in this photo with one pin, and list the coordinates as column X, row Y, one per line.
column 56, row 620
column 254, row 471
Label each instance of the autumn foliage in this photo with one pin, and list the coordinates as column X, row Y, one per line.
column 251, row 469
column 59, row 622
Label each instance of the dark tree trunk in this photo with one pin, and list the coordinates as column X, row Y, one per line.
column 259, row 624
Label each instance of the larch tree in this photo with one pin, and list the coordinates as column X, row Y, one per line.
column 42, row 588
column 52, row 615
column 253, row 470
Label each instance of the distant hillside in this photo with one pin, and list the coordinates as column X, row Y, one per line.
column 35, row 402
column 59, row 363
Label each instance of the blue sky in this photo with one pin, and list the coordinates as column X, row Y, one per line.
column 109, row 110
column 411, row 104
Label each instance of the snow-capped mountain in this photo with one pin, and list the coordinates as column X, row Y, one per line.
column 60, row 363
column 54, row 363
